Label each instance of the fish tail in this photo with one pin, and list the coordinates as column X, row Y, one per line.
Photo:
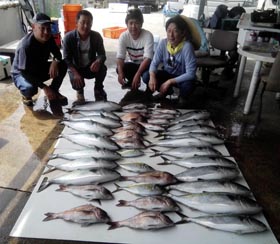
column 156, row 153
column 117, row 188
column 121, row 203
column 183, row 220
column 45, row 183
column 166, row 161
column 61, row 188
column 50, row 216
column 50, row 168
column 113, row 225
column 158, row 135
column 52, row 156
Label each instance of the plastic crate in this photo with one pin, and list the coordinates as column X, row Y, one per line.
column 113, row 32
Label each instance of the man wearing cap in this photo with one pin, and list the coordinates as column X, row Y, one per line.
column 32, row 65
column 84, row 53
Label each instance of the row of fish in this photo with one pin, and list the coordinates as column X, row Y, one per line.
column 205, row 182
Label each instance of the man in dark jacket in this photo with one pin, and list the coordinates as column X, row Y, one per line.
column 32, row 65
column 84, row 53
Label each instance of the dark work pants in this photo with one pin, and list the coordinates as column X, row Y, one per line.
column 88, row 74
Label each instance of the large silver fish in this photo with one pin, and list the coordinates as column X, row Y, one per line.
column 91, row 140
column 141, row 189
column 152, row 127
column 187, row 141
column 152, row 203
column 165, row 111
column 235, row 224
column 153, row 177
column 208, row 173
column 145, row 221
column 82, row 163
column 81, row 177
column 86, row 113
column 197, row 114
column 199, row 161
column 88, row 127
column 84, row 215
column 217, row 203
column 188, row 129
column 190, row 151
column 190, row 122
column 130, row 153
column 89, row 192
column 134, row 106
column 107, row 106
column 211, row 186
column 136, row 167
column 101, row 119
column 93, row 152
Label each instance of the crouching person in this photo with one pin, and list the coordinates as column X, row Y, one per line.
column 176, row 54
column 32, row 65
column 84, row 53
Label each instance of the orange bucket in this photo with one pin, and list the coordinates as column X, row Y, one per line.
column 69, row 14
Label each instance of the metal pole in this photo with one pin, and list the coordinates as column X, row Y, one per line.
column 201, row 9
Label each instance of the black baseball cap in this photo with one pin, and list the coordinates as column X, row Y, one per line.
column 41, row 18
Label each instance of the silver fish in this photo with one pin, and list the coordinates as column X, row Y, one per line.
column 89, row 192
column 144, row 221
column 162, row 116
column 91, row 140
column 208, row 173
column 86, row 113
column 198, row 114
column 137, row 167
column 188, row 141
column 130, row 153
column 141, row 189
column 211, row 186
column 200, row 161
column 158, row 121
column 152, row 203
column 188, row 129
column 152, row 177
column 190, row 151
column 134, row 106
column 235, row 224
column 156, row 128
column 105, row 121
column 88, row 127
column 165, row 111
column 107, row 106
column 81, row 177
column 211, row 138
column 217, row 203
column 82, row 163
column 190, row 122
column 93, row 152
column 84, row 215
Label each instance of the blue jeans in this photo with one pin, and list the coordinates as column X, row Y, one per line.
column 29, row 86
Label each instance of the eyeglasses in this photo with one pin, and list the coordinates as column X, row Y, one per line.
column 171, row 61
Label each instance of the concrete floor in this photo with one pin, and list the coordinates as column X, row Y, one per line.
column 27, row 136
